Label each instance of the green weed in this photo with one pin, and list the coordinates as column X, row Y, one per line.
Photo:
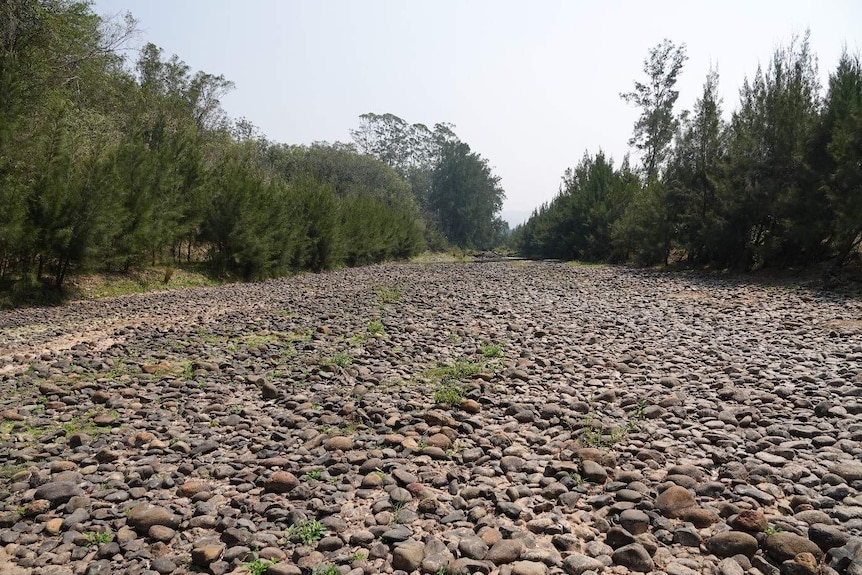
column 258, row 566
column 491, row 351
column 386, row 294
column 313, row 475
column 307, row 531
column 98, row 537
column 449, row 393
column 342, row 360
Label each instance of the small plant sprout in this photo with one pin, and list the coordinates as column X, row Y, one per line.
column 376, row 327
column 639, row 411
column 308, row 531
column 491, row 350
column 449, row 393
column 257, row 566
column 340, row 359
column 98, row 537
column 313, row 475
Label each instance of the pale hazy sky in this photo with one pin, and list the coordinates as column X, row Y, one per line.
column 530, row 85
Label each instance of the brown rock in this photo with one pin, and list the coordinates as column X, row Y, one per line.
column 53, row 526
column 161, row 533
column 192, row 487
column 282, row 482
column 440, row 440
column 58, row 492
column 338, row 443
column 785, row 545
column 408, row 555
column 730, row 543
column 144, row 516
column 700, row 517
column 751, row 520
column 505, row 551
column 528, row 568
column 205, row 554
column 673, row 501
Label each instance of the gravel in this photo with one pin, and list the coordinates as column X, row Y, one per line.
column 506, row 417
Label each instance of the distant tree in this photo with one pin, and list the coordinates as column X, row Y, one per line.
column 657, row 123
column 694, row 174
column 465, row 197
column 840, row 147
column 775, row 213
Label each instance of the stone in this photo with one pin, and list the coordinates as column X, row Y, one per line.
column 208, row 553
column 529, row 568
column 57, row 492
column 338, row 443
column 511, row 463
column 634, row 521
column 730, row 543
column 408, row 555
column 849, row 472
column 730, row 566
column 473, row 547
column 578, row 564
column 143, row 516
column 699, row 517
column 281, row 482
column 827, row 536
column 161, row 533
column 785, row 545
column 672, row 501
column 751, row 520
column 593, row 471
column 635, row 557
column 505, row 551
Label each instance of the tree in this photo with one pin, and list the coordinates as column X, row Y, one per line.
column 465, row 196
column 841, row 140
column 774, row 213
column 657, row 124
column 694, row 173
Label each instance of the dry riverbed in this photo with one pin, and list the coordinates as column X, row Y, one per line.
column 513, row 418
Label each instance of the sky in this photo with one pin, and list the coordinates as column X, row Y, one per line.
column 530, row 85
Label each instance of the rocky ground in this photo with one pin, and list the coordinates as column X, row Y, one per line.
column 510, row 417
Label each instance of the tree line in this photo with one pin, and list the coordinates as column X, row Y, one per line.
column 778, row 185
column 107, row 164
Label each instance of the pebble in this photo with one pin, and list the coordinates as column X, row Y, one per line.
column 203, row 425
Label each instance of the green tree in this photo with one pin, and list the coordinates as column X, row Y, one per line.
column 694, row 173
column 465, row 197
column 656, row 97
column 840, row 147
column 773, row 211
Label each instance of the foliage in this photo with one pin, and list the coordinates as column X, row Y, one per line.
column 491, row 350
column 461, row 369
column 98, row 537
column 257, row 566
column 778, row 185
column 449, row 392
column 111, row 166
column 307, row 531
column 657, row 124
column 465, row 196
